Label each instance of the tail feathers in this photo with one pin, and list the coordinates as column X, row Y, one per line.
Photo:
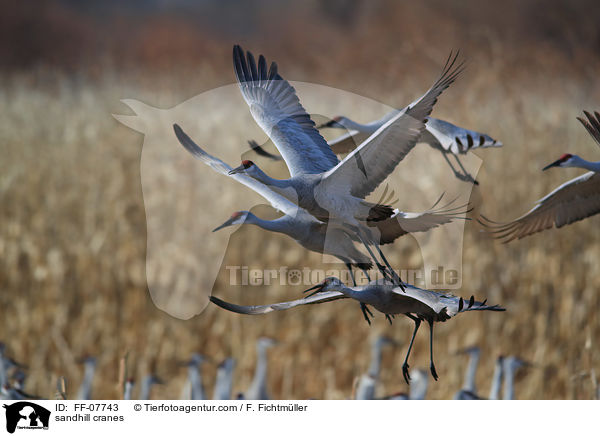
column 379, row 212
column 464, row 306
column 455, row 139
column 469, row 140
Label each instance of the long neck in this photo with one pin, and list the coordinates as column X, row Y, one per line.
column 364, row 294
column 279, row 225
column 509, row 377
column 418, row 386
column 259, row 382
column 196, row 383
column 469, row 384
column 145, row 389
column 375, row 359
column 85, row 391
column 128, row 390
column 223, row 384
column 582, row 163
column 258, row 174
column 496, row 380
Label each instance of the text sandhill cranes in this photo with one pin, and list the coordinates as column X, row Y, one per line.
column 330, row 190
column 386, row 297
column 573, row 201
column 313, row 234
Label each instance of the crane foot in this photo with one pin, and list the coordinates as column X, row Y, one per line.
column 433, row 371
column 405, row 373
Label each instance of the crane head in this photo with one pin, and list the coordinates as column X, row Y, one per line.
column 242, row 168
column 334, row 123
column 560, row 162
column 330, row 283
column 235, row 218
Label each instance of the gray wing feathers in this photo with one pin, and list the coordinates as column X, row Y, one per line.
column 275, row 107
column 321, row 297
column 368, row 165
column 277, row 201
column 573, row 201
column 402, row 223
column 592, row 125
column 347, row 142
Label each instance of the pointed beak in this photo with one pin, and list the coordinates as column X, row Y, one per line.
column 553, row 164
column 227, row 223
column 318, row 288
column 237, row 170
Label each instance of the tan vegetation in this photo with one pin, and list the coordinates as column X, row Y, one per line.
column 73, row 223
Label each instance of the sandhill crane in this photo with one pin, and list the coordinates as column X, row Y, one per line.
column 195, row 377
column 146, row 386
column 128, row 389
column 7, row 364
column 313, row 234
column 366, row 387
column 224, row 380
column 510, row 365
column 417, row 390
column 368, row 381
column 468, row 390
column 8, row 392
column 18, row 379
column 441, row 135
column 85, row 389
column 258, row 388
column 319, row 182
column 376, row 352
column 572, row 201
column 497, row 379
column 388, row 298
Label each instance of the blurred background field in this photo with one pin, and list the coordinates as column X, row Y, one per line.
column 73, row 223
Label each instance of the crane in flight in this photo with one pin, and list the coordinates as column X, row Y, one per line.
column 386, row 297
column 328, row 189
column 447, row 138
column 572, row 201
column 315, row 235
column 443, row 136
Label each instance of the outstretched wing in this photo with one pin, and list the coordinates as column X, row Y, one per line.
column 368, row 165
column 277, row 110
column 347, row 142
column 592, row 125
column 277, row 201
column 573, row 201
column 402, row 223
column 321, row 297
